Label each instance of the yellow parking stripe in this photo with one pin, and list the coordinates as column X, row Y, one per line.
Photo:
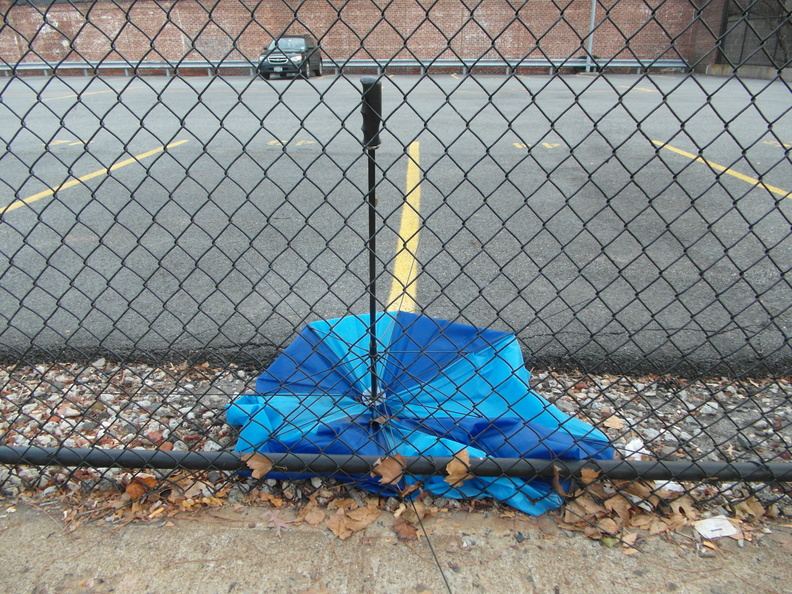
column 726, row 170
column 405, row 266
column 73, row 182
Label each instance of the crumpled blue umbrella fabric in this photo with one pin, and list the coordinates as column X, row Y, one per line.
column 444, row 387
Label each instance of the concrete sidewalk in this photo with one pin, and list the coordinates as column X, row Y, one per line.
column 228, row 550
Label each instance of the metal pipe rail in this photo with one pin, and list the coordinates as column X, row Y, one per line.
column 212, row 68
column 414, row 465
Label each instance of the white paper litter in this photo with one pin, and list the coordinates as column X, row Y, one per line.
column 669, row 486
column 716, row 527
column 635, row 449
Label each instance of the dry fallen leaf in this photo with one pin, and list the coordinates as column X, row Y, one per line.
column 749, row 507
column 638, row 488
column 343, row 524
column 658, row 526
column 641, row 521
column 364, row 515
column 314, row 517
column 345, row 503
column 589, row 475
column 416, row 511
column 619, row 504
column 685, row 506
column 613, row 422
column 260, row 465
column 197, row 489
column 140, row 485
column 390, row 470
column 591, row 507
column 629, row 538
column 609, row 526
column 458, row 469
column 557, row 482
column 409, row 489
column 404, row 530
column 337, row 525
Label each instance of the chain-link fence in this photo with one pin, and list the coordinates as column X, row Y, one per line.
column 557, row 187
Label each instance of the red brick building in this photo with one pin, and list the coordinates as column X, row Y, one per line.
column 401, row 29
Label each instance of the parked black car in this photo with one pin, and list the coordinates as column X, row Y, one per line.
column 291, row 54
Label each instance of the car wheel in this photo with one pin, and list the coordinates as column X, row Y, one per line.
column 319, row 69
column 306, row 72
column 265, row 75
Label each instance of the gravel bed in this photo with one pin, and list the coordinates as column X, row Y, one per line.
column 181, row 407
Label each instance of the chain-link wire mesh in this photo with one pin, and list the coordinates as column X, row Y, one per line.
column 181, row 203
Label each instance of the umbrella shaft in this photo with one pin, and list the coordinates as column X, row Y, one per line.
column 372, row 286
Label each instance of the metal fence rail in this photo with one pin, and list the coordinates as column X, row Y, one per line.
column 545, row 188
column 235, row 67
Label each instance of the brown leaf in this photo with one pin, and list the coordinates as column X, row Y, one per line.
column 337, row 525
column 346, row 503
column 613, row 422
column 140, row 485
column 629, row 538
column 260, row 465
column 658, row 526
column 676, row 522
column 591, row 507
column 314, row 517
column 417, row 511
column 409, row 489
column 364, row 515
column 638, row 488
column 458, row 469
column 277, row 521
column 589, row 475
column 619, row 504
column 574, row 513
column 749, row 507
column 592, row 532
column 271, row 499
column 609, row 526
column 403, row 530
column 685, row 506
column 641, row 521
column 196, row 490
column 557, row 482
column 390, row 470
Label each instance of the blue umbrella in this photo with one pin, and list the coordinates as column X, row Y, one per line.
column 443, row 387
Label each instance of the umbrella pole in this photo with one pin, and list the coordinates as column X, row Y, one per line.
column 371, row 110
column 372, row 288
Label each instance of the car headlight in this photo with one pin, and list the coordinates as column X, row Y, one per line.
column 261, row 57
column 296, row 59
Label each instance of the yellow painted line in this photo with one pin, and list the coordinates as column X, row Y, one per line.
column 774, row 143
column 56, row 142
column 405, row 266
column 726, row 170
column 73, row 182
column 73, row 95
column 640, row 89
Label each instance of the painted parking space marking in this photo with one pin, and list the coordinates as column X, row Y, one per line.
column 750, row 180
column 641, row 89
column 74, row 182
column 405, row 265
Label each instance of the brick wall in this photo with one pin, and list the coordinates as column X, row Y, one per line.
column 424, row 29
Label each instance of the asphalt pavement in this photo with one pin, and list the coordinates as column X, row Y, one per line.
column 616, row 222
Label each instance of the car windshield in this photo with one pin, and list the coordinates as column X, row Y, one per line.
column 289, row 44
